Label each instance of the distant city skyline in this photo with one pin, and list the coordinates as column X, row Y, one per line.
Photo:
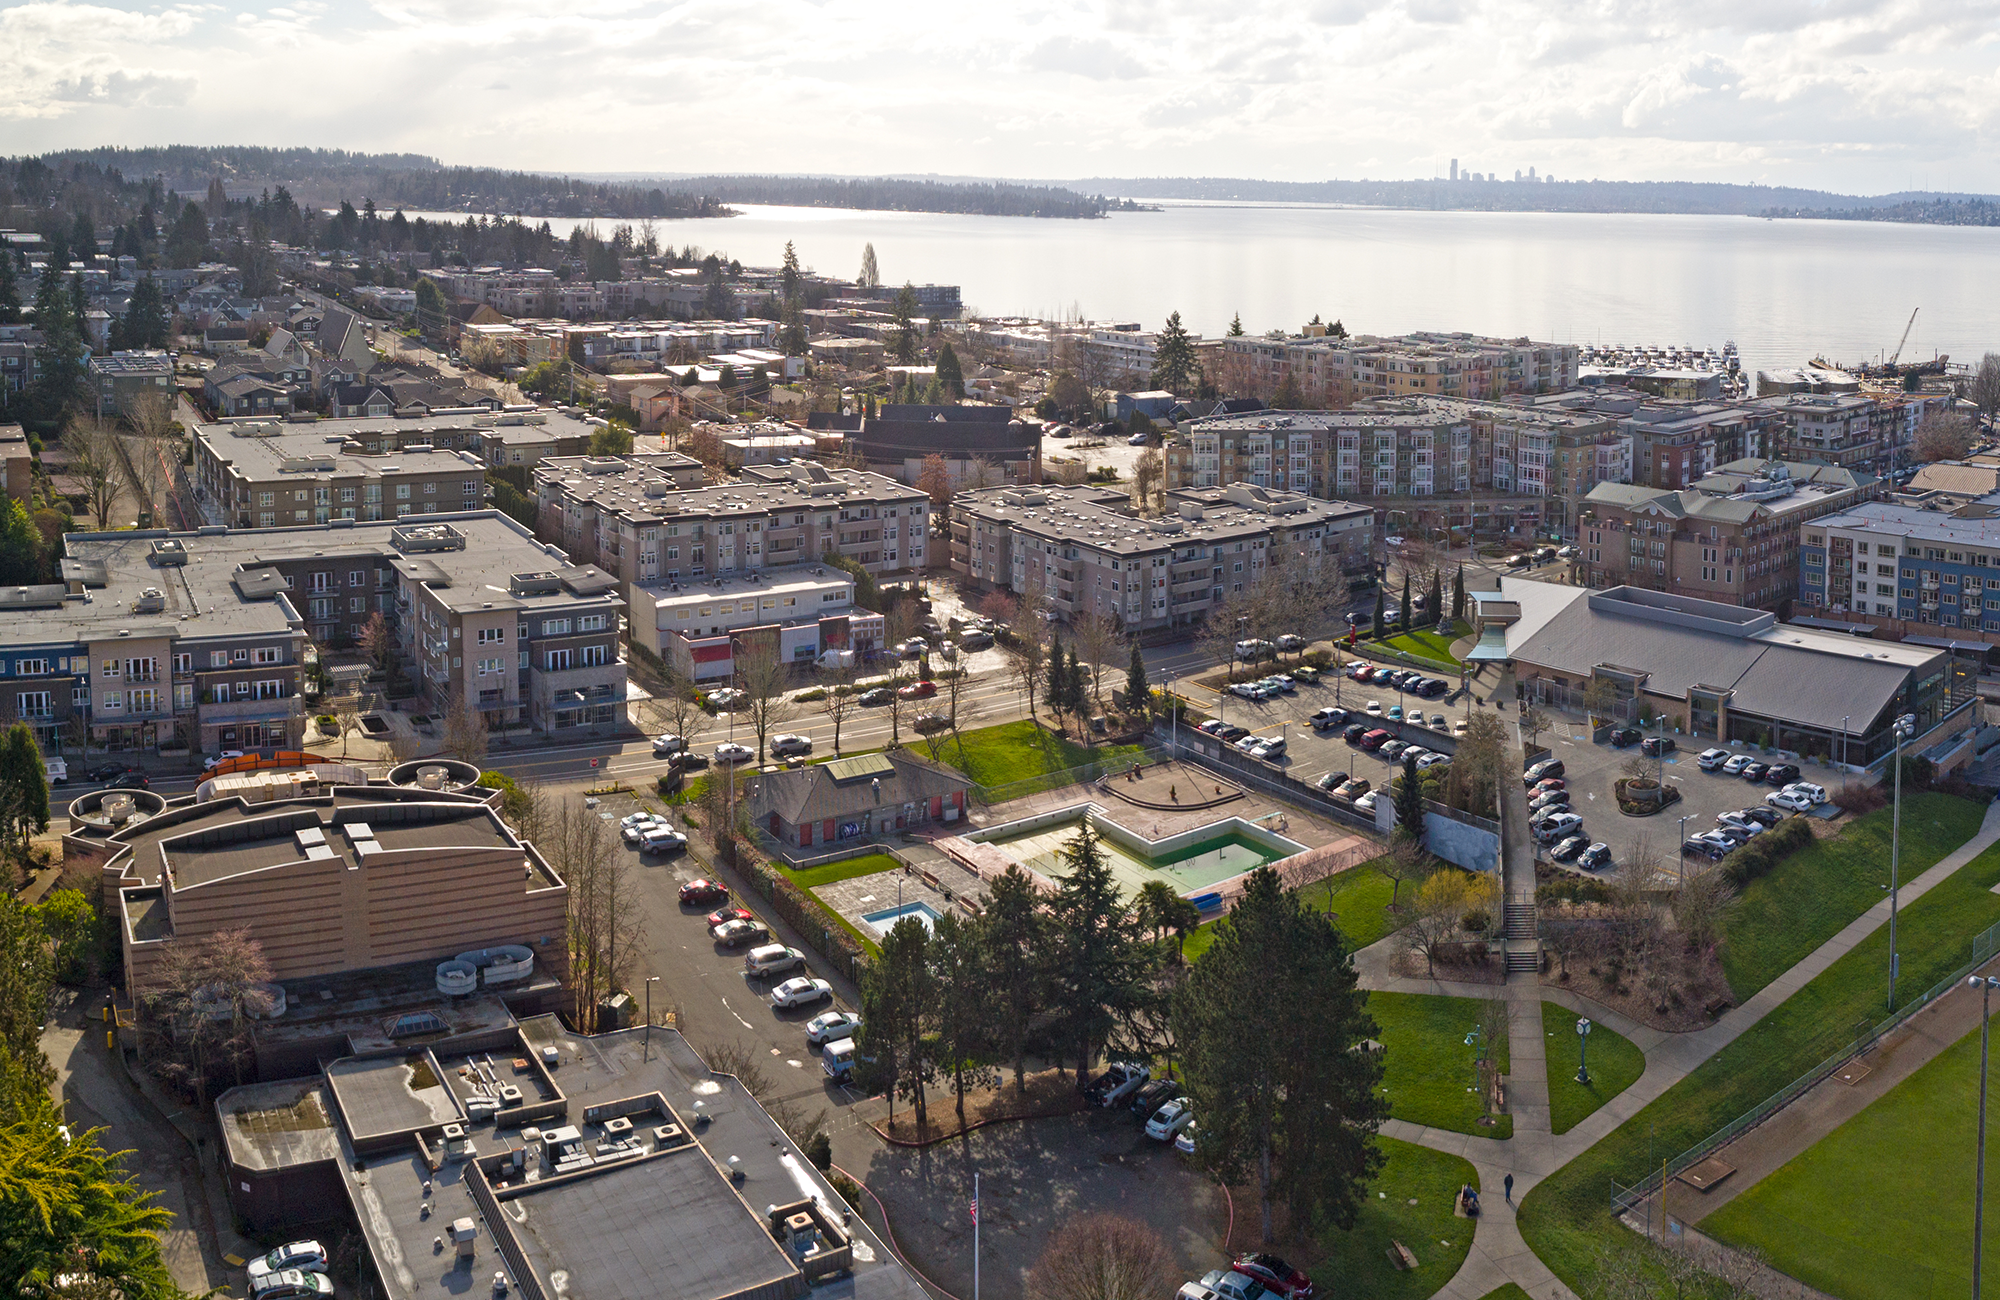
column 1862, row 97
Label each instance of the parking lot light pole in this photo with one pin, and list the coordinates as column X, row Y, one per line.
column 1906, row 726
column 1583, row 1051
column 1684, row 851
column 647, row 1053
column 1985, row 984
column 1845, row 718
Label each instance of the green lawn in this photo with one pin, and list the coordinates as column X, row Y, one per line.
column 1615, row 1065
column 866, row 864
column 1428, row 643
column 1564, row 1219
column 1815, row 893
column 1358, row 897
column 1357, row 1262
column 1508, row 1292
column 1881, row 1208
column 1427, row 1066
column 1016, row 751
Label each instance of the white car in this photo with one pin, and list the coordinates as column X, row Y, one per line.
column 210, row 764
column 306, row 1256
column 733, row 753
column 292, row 1284
column 1813, row 792
column 790, row 744
column 1431, row 760
column 663, row 839
column 1710, row 759
column 1374, row 709
column 1735, row 763
column 801, row 992
column 1170, row 1119
column 1789, row 800
column 1393, row 540
column 667, row 743
column 728, row 697
column 1458, row 728
column 831, row 1027
column 635, row 830
column 1184, row 1140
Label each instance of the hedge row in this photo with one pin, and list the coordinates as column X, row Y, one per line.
column 1766, row 851
column 803, row 913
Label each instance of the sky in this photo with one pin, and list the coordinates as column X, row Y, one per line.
column 1856, row 96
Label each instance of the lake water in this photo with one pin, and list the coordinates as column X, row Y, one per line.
column 1783, row 290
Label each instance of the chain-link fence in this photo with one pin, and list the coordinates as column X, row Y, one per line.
column 1624, row 1197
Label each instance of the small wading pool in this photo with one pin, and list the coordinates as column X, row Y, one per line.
column 1198, row 859
column 885, row 920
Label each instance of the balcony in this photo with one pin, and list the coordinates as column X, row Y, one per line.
column 248, row 710
column 546, row 686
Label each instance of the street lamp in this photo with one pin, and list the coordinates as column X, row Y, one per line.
column 647, row 1053
column 1583, row 1051
column 1845, row 718
column 1906, row 726
column 1682, row 831
column 1985, row 984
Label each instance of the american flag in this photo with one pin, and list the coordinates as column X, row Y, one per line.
column 973, row 1207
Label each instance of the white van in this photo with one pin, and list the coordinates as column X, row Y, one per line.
column 58, row 770
column 772, row 958
column 836, row 1060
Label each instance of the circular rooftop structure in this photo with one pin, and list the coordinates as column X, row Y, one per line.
column 113, row 809
column 442, row 774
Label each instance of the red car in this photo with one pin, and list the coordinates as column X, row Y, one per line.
column 704, row 891
column 918, row 690
column 1375, row 739
column 728, row 914
column 1276, row 1274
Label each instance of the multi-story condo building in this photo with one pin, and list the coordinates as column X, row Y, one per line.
column 1084, row 551
column 1332, row 373
column 272, row 474
column 168, row 640
column 1457, row 457
column 1905, row 569
column 630, row 517
column 117, row 379
column 1868, row 432
column 1733, row 537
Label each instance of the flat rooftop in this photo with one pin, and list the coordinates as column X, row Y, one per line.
column 276, row 1125
column 262, row 451
column 252, row 842
column 380, row 1096
column 640, row 491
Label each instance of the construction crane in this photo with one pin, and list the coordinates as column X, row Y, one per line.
column 1893, row 356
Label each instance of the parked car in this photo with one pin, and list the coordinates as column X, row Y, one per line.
column 1119, row 1081
column 1375, row 739
column 1816, row 793
column 918, row 690
column 1658, row 745
column 727, row 698
column 704, row 891
column 1553, row 799
column 1753, row 772
column 1738, row 821
column 1328, row 717
column 291, row 1284
column 1366, row 803
column 1276, row 1275
column 1789, row 800
column 208, row 765
column 1547, row 784
column 305, row 1256
column 668, row 743
column 1736, row 836
column 1170, row 1119
column 1570, row 848
column 772, row 959
column 913, row 648
column 1291, row 644
column 663, row 839
column 1459, row 728
column 105, row 772
column 133, row 780
column 1554, row 826
column 1431, row 760
column 976, row 641
column 1373, row 708
column 1710, row 759
column 1253, row 650
column 731, row 753
column 1245, row 690
column 1734, row 764
column 688, row 758
column 1228, row 1284
column 1231, row 732
column 1351, row 790
column 1392, row 750
column 831, row 1027
column 1761, row 815
column 1210, row 727
column 1305, row 673
column 1548, row 767
column 1623, row 736
column 1330, row 781
column 1595, row 857
column 734, row 934
column 1151, row 1097
column 1781, row 774
column 724, row 915
column 635, row 832
column 787, row 743
column 801, row 992
column 1354, row 732
column 1694, row 848
column 877, row 695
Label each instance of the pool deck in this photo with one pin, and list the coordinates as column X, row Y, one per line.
column 854, row 898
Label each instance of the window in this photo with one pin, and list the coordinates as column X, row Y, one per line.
column 357, row 577
column 490, row 667
column 559, row 660
column 266, row 499
column 492, row 636
column 357, row 604
column 146, row 700
column 430, row 489
column 268, row 519
column 142, row 670
column 590, row 623
column 267, row 654
column 33, row 704
column 402, row 492
column 240, row 656
column 560, row 626
column 184, row 695
column 114, row 702
column 183, row 663
column 218, row 659
column 270, row 690
column 79, row 697
column 595, row 656
column 31, row 667
column 109, row 668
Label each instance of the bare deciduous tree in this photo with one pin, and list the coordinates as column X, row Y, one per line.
column 765, row 676
column 1699, row 906
column 1148, row 471
column 205, row 991
column 150, row 412
column 1533, row 722
column 1405, row 861
column 1097, row 640
column 679, row 710
column 1945, row 435
column 94, row 459
column 1102, row 1257
column 838, row 701
column 464, row 731
column 1027, row 664
column 346, row 714
column 604, row 919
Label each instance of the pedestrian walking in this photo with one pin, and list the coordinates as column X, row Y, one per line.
column 1508, row 1184
column 1174, row 793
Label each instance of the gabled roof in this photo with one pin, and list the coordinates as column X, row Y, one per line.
column 847, row 786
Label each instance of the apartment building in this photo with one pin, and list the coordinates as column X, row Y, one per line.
column 137, row 649
column 1871, row 433
column 700, row 628
column 1429, row 448
column 1907, row 570
column 273, row 474
column 1333, row 373
column 118, row 379
column 641, row 525
column 1732, row 538
column 1084, row 550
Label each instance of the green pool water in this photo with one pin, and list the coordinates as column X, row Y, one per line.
column 1188, row 870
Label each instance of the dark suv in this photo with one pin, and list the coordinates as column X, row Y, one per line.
column 1781, row 775
column 1657, row 745
column 1623, row 736
column 1151, row 1097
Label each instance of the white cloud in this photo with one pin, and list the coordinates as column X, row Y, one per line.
column 1845, row 94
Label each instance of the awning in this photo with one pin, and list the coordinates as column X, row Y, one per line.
column 1956, row 647
column 1492, row 647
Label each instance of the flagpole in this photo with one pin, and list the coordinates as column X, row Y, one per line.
column 975, row 1237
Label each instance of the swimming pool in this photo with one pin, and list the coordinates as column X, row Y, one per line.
column 885, row 920
column 1190, row 862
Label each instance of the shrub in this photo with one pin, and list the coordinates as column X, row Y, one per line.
column 811, row 694
column 819, row 1150
column 1858, row 797
column 1766, row 851
column 1573, row 889
column 850, row 1191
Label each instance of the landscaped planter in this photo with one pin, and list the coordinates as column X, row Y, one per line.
column 1637, row 799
